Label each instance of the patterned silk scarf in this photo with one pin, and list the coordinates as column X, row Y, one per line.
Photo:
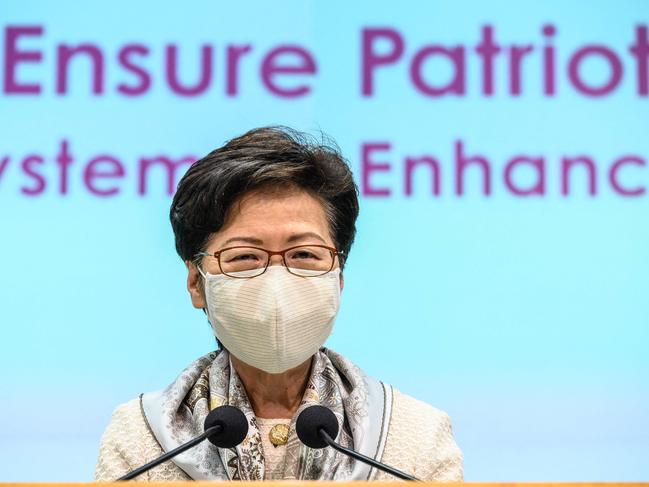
column 361, row 404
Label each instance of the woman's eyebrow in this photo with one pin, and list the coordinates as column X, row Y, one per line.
column 250, row 240
column 304, row 236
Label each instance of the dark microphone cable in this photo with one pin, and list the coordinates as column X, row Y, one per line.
column 317, row 427
column 225, row 427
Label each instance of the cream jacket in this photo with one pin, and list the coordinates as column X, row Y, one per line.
column 420, row 442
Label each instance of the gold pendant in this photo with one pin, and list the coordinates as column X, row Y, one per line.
column 278, row 434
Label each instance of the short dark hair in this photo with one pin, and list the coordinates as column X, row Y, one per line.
column 264, row 157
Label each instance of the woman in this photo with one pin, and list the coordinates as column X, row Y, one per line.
column 264, row 225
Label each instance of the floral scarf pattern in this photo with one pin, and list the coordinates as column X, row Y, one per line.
column 362, row 406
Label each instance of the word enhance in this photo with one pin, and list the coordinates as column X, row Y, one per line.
column 468, row 174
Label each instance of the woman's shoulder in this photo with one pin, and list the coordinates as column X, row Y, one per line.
column 128, row 443
column 127, row 424
column 416, row 415
column 128, row 413
column 420, row 440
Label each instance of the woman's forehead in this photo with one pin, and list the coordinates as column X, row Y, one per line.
column 278, row 215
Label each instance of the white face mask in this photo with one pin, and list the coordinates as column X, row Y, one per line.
column 275, row 321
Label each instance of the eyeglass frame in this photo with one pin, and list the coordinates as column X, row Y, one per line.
column 217, row 255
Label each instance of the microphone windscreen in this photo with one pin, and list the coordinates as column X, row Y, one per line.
column 234, row 426
column 309, row 423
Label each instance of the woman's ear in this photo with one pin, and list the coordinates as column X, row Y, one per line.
column 342, row 281
column 195, row 285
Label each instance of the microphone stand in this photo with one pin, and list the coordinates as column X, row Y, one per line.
column 359, row 456
column 170, row 454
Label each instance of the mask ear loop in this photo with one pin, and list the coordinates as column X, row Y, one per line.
column 200, row 271
column 204, row 276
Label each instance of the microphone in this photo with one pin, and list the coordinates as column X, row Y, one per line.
column 225, row 427
column 317, row 426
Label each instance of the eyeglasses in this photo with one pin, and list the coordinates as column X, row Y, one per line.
column 302, row 260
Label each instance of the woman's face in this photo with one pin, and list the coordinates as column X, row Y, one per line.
column 271, row 219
